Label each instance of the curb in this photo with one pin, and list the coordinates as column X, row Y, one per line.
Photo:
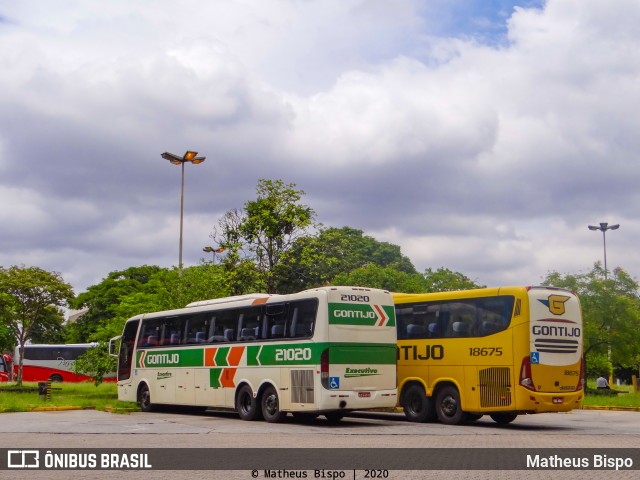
column 58, row 409
column 618, row 409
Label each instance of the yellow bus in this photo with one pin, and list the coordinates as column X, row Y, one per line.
column 499, row 351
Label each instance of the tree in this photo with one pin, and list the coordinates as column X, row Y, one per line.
column 386, row 278
column 96, row 363
column 610, row 311
column 28, row 298
column 445, row 280
column 317, row 260
column 102, row 299
column 264, row 231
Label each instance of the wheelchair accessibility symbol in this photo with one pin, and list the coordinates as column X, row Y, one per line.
column 535, row 358
column 334, row 382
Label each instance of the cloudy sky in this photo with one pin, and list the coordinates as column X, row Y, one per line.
column 482, row 136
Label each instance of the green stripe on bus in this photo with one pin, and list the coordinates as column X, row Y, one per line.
column 356, row 314
column 362, row 354
column 171, row 358
column 214, row 377
column 221, row 356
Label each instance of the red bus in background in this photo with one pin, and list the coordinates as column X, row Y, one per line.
column 5, row 368
column 51, row 362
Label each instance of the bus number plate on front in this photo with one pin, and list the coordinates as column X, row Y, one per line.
column 557, row 400
column 364, row 394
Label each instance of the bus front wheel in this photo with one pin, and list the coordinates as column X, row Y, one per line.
column 503, row 418
column 246, row 404
column 448, row 406
column 56, row 378
column 417, row 406
column 144, row 399
column 271, row 406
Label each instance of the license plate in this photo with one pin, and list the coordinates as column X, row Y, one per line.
column 364, row 394
column 557, row 399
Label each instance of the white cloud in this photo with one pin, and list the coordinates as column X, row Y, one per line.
column 487, row 159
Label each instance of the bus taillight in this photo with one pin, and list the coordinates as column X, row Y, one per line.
column 324, row 368
column 526, row 380
column 581, row 381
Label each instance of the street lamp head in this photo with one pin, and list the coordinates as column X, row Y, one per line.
column 614, row 227
column 176, row 160
column 189, row 156
column 593, row 227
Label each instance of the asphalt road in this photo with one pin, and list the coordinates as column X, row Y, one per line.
column 589, row 429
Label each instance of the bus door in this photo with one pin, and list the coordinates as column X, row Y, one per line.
column 126, row 359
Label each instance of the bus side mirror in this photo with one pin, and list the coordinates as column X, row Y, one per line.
column 112, row 346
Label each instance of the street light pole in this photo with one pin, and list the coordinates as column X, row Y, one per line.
column 603, row 227
column 192, row 157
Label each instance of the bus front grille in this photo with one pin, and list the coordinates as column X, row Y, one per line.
column 554, row 345
column 495, row 387
column 302, row 386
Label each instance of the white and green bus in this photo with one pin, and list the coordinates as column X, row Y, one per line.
column 324, row 351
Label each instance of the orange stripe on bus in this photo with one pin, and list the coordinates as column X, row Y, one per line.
column 235, row 354
column 210, row 357
column 227, row 377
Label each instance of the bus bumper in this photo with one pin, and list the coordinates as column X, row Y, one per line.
column 359, row 400
column 539, row 402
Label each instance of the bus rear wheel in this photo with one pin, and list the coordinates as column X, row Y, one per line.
column 56, row 378
column 144, row 399
column 417, row 406
column 271, row 406
column 246, row 404
column 448, row 406
column 503, row 418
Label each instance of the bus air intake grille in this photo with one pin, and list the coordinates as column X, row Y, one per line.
column 495, row 387
column 302, row 386
column 554, row 345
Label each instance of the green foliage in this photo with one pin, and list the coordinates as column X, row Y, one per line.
column 263, row 232
column 386, row 278
column 445, row 280
column 317, row 260
column 103, row 299
column 611, row 313
column 29, row 301
column 598, row 365
column 96, row 363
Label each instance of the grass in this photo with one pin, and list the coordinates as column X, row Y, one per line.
column 83, row 395
column 105, row 397
column 619, row 396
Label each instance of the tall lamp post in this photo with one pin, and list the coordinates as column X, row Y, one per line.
column 603, row 228
column 192, row 157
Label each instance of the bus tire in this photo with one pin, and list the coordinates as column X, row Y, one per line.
column 503, row 418
column 448, row 406
column 246, row 404
column 56, row 378
column 416, row 405
column 270, row 404
column 144, row 399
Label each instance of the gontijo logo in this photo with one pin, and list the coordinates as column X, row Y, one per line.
column 555, row 303
column 350, row 314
